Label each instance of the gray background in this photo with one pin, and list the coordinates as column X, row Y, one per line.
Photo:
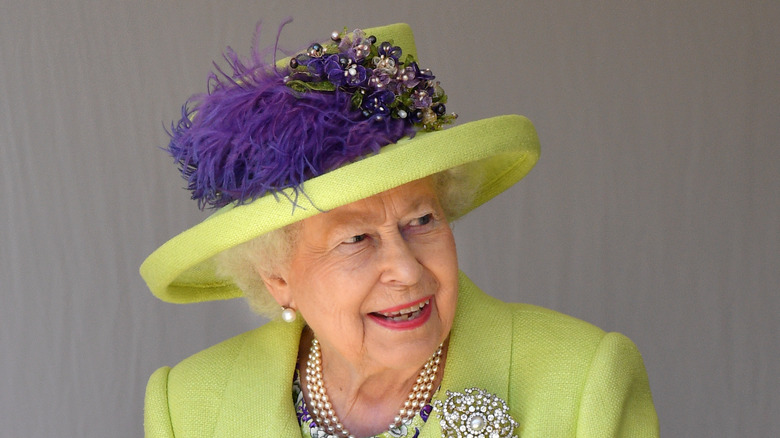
column 653, row 211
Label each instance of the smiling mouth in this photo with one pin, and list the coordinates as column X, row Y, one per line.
column 406, row 314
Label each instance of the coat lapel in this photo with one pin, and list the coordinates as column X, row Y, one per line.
column 480, row 348
column 258, row 396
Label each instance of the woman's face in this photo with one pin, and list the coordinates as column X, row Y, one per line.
column 376, row 280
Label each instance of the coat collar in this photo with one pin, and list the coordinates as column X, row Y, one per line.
column 258, row 395
column 480, row 348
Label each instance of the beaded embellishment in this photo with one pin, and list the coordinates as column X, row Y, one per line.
column 474, row 413
column 380, row 82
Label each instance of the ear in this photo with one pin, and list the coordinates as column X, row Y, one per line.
column 279, row 288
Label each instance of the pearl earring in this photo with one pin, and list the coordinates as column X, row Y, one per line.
column 288, row 314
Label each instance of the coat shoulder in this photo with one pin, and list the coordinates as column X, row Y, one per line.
column 531, row 320
column 206, row 366
column 547, row 342
column 191, row 393
column 600, row 384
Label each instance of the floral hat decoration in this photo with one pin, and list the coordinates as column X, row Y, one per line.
column 273, row 143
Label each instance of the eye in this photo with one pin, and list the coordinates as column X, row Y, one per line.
column 355, row 239
column 421, row 221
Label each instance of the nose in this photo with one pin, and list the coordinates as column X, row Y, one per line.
column 399, row 264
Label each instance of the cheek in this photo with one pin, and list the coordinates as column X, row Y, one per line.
column 448, row 298
column 443, row 265
column 445, row 259
column 335, row 293
column 449, row 273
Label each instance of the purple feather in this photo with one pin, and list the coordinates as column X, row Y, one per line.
column 252, row 135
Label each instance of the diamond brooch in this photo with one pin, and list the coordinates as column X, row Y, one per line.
column 474, row 413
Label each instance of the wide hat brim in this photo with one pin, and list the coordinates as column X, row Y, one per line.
column 495, row 152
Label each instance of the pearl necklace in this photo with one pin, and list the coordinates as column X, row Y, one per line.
column 322, row 410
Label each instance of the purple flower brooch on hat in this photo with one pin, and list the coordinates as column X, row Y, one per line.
column 380, row 83
column 262, row 129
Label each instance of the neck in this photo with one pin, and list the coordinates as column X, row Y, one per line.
column 366, row 399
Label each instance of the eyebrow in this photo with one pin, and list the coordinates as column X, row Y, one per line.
column 340, row 222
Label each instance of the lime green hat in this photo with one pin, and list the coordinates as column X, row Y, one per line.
column 401, row 138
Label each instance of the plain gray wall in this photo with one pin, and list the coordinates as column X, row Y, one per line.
column 653, row 211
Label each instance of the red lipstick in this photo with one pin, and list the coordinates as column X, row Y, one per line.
column 407, row 321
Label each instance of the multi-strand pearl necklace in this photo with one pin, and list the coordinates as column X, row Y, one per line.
column 322, row 410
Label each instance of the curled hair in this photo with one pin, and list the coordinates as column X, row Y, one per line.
column 245, row 264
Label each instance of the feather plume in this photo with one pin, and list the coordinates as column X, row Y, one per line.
column 252, row 135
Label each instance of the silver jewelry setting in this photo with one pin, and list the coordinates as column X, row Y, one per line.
column 474, row 413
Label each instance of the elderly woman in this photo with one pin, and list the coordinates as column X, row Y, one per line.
column 336, row 185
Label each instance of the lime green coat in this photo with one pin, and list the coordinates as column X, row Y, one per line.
column 560, row 376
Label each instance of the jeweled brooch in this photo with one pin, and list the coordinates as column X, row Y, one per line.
column 381, row 82
column 474, row 413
